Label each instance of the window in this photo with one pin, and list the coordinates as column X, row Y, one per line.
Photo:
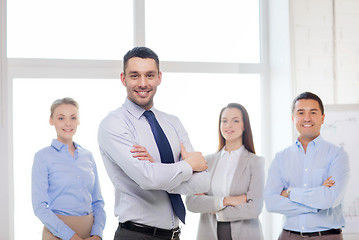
column 81, row 29
column 197, row 99
column 32, row 132
column 203, row 30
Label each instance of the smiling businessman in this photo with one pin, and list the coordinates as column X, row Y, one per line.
column 307, row 181
column 145, row 154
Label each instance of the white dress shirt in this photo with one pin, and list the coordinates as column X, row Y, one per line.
column 224, row 172
column 141, row 186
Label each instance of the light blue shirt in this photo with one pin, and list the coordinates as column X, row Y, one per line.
column 66, row 185
column 311, row 207
column 141, row 186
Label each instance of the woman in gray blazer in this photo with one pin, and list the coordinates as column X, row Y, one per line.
column 230, row 209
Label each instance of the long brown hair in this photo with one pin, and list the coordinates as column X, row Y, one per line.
column 247, row 137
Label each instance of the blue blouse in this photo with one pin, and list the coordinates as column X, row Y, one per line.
column 66, row 185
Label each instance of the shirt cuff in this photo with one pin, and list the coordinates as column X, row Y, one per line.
column 219, row 203
column 219, row 206
column 294, row 196
column 186, row 170
column 220, row 216
column 96, row 231
column 67, row 234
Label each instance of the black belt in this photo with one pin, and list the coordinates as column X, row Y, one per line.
column 152, row 231
column 314, row 234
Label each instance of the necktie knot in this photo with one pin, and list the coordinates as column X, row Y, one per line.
column 148, row 114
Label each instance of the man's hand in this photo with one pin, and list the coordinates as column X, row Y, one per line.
column 328, row 182
column 195, row 159
column 234, row 200
column 284, row 193
column 141, row 153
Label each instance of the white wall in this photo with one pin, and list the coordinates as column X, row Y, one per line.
column 347, row 50
column 325, row 44
column 326, row 49
column 6, row 200
column 280, row 91
column 313, row 46
column 312, row 38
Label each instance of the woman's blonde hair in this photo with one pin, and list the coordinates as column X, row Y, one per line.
column 58, row 102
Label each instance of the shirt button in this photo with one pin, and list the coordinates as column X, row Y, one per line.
column 302, row 228
column 305, row 184
column 306, row 169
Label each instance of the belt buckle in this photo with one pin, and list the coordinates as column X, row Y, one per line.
column 178, row 230
column 303, row 236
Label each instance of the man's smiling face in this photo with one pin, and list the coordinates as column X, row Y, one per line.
column 308, row 119
column 141, row 78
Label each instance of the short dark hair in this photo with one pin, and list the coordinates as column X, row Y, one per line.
column 141, row 52
column 247, row 137
column 308, row 95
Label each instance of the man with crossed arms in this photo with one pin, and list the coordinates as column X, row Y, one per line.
column 306, row 181
column 146, row 177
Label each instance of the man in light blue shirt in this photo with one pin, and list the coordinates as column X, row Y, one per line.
column 307, row 181
column 133, row 161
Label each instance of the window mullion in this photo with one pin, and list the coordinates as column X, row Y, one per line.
column 139, row 27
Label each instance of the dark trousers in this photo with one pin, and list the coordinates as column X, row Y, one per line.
column 125, row 234
column 290, row 236
column 224, row 231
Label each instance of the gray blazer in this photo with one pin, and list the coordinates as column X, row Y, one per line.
column 249, row 179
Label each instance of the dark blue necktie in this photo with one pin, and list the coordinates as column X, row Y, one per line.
column 166, row 154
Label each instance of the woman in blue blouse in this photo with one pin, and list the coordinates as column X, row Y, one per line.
column 66, row 194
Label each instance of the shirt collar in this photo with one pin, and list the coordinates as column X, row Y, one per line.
column 59, row 145
column 134, row 109
column 236, row 152
column 316, row 141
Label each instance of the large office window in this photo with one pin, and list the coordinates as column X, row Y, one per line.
column 32, row 132
column 198, row 111
column 69, row 29
column 202, row 30
column 210, row 55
